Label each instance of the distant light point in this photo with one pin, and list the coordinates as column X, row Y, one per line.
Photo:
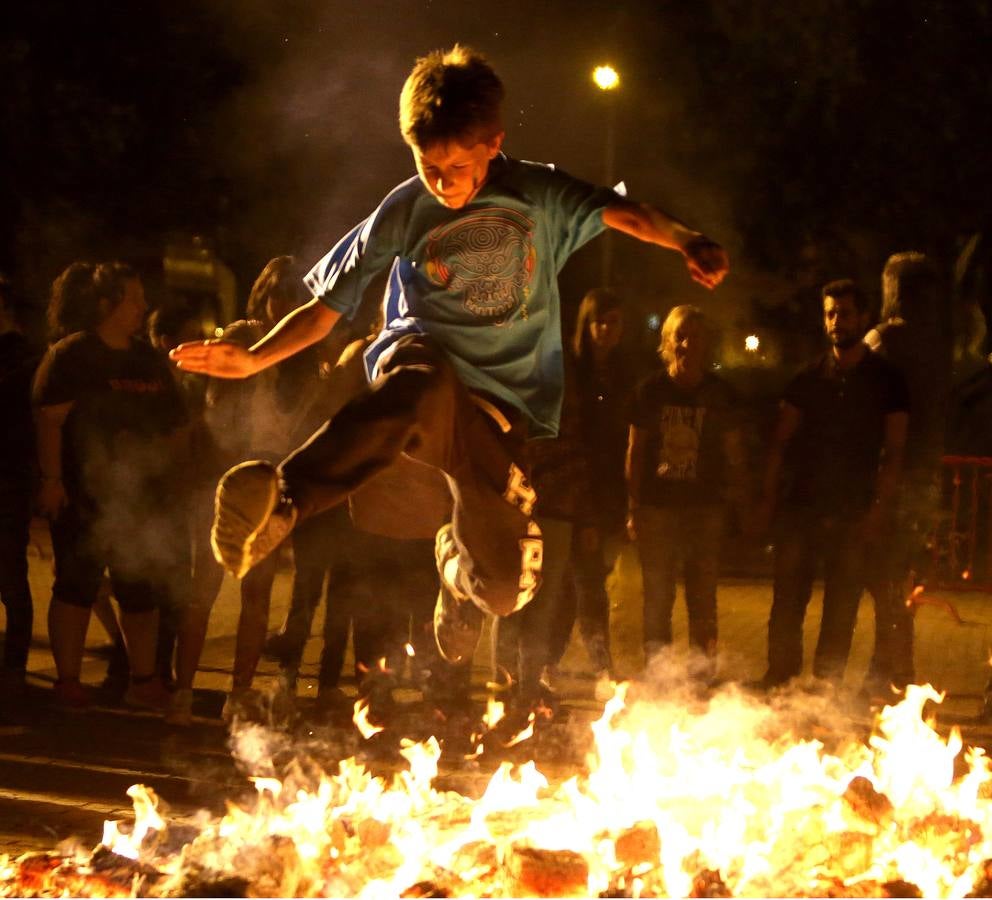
column 606, row 78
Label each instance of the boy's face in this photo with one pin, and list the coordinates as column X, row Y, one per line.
column 453, row 173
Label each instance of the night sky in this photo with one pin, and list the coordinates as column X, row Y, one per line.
column 813, row 139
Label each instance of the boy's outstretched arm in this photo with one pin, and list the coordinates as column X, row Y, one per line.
column 224, row 359
column 706, row 259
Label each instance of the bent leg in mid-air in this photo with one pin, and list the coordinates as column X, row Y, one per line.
column 490, row 553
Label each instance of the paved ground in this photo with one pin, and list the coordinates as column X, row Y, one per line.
column 61, row 775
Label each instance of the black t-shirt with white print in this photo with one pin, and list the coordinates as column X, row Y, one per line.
column 685, row 460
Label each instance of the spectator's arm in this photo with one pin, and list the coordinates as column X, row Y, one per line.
column 789, row 419
column 636, row 449
column 224, row 359
column 890, row 467
column 49, row 421
column 738, row 486
column 707, row 260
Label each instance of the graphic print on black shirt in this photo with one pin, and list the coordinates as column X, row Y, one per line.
column 681, row 434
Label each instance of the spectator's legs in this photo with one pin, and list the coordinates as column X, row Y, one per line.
column 843, row 583
column 703, row 529
column 67, row 624
column 659, row 541
column 313, row 552
column 256, row 593
column 207, row 578
column 337, row 622
column 563, row 620
column 795, row 560
column 15, row 591
column 78, row 572
column 592, row 602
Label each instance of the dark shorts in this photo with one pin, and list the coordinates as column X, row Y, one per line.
column 82, row 556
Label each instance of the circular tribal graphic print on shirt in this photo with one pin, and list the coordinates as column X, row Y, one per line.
column 487, row 258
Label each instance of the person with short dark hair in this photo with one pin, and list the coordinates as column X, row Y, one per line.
column 685, row 461
column 841, row 431
column 18, row 479
column 469, row 361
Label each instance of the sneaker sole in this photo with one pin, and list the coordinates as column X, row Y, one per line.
column 244, row 566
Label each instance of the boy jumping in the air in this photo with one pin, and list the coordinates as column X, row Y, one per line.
column 469, row 362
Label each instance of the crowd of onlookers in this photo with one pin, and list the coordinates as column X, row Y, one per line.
column 121, row 452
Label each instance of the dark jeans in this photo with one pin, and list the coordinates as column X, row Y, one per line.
column 15, row 591
column 804, row 540
column 669, row 538
column 893, row 570
column 583, row 598
column 418, row 406
column 522, row 641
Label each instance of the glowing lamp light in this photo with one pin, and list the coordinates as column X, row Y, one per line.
column 218, row 332
column 606, row 78
column 752, row 343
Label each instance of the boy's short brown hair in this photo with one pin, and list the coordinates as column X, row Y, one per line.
column 450, row 96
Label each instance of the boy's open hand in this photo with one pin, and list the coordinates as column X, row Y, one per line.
column 221, row 359
column 707, row 261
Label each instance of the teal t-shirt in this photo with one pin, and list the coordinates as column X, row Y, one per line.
column 481, row 280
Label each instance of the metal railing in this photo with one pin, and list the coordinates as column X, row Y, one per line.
column 961, row 539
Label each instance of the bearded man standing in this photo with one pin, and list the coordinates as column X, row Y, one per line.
column 840, row 435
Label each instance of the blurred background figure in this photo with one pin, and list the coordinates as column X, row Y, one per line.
column 686, row 458
column 258, row 418
column 914, row 334
column 66, row 314
column 110, row 428
column 18, row 483
column 604, row 383
column 167, row 328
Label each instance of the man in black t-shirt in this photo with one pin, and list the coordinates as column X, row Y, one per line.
column 840, row 434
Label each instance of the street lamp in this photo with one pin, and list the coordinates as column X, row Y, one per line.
column 607, row 79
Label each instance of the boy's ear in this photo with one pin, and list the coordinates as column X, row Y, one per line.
column 495, row 144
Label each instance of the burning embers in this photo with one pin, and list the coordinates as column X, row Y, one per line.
column 680, row 798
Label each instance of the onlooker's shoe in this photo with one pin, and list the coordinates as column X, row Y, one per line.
column 457, row 620
column 333, row 702
column 251, row 517
column 150, row 694
column 180, row 711
column 605, row 687
column 13, row 684
column 71, row 695
column 242, row 703
column 279, row 647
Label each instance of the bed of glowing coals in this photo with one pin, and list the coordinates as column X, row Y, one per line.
column 686, row 795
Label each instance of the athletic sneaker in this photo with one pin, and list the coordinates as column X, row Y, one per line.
column 251, row 517
column 457, row 620
column 180, row 711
